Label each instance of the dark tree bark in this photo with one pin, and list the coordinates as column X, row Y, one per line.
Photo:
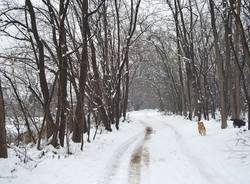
column 63, row 66
column 175, row 13
column 41, row 67
column 3, row 144
column 219, row 63
column 79, row 125
column 187, row 49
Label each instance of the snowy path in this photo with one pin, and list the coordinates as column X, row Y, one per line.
column 175, row 153
column 152, row 149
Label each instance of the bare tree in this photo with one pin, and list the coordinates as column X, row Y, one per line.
column 219, row 63
column 3, row 144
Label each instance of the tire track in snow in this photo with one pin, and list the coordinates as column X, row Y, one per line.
column 140, row 156
column 114, row 163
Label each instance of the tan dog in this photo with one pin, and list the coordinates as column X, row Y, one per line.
column 201, row 128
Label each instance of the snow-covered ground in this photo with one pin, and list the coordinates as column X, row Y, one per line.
column 151, row 149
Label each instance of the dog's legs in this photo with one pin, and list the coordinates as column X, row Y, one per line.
column 200, row 132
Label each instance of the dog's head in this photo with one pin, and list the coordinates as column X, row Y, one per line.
column 200, row 123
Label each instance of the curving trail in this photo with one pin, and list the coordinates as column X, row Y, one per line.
column 152, row 149
column 164, row 153
column 115, row 161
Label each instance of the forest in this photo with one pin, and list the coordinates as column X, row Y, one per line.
column 68, row 67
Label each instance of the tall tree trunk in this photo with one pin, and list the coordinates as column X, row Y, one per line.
column 236, row 68
column 3, row 144
column 244, row 83
column 235, row 4
column 41, row 67
column 175, row 13
column 219, row 63
column 117, row 86
column 125, row 100
column 228, row 73
column 62, row 84
column 79, row 125
column 187, row 54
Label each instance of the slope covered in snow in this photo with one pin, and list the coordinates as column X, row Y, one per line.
column 152, row 148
